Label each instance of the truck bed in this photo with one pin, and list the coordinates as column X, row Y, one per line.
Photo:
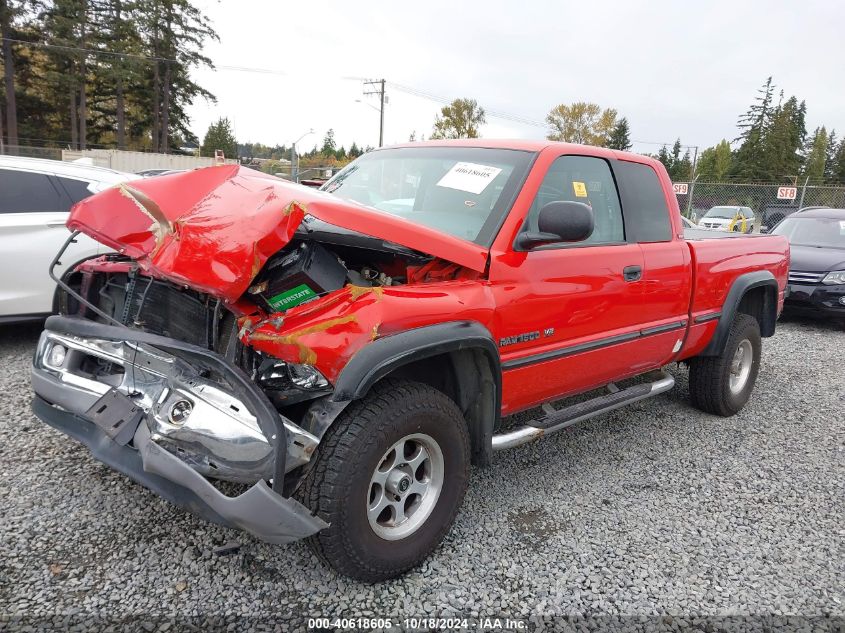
column 718, row 259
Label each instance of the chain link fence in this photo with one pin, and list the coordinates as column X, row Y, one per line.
column 763, row 199
column 27, row 151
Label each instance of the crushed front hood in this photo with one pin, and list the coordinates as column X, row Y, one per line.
column 214, row 228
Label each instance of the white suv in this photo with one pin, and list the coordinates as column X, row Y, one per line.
column 35, row 198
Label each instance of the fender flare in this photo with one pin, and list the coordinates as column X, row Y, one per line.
column 384, row 355
column 740, row 286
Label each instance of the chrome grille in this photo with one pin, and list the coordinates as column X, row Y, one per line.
column 799, row 277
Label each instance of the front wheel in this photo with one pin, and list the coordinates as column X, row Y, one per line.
column 723, row 384
column 389, row 478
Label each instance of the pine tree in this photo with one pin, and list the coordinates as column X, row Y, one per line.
column 830, row 158
column 753, row 126
column 620, row 137
column 679, row 167
column 174, row 32
column 714, row 162
column 837, row 167
column 66, row 22
column 814, row 164
column 119, row 77
column 10, row 12
column 782, row 143
column 329, row 144
column 665, row 157
column 220, row 136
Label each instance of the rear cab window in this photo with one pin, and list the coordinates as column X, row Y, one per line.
column 647, row 216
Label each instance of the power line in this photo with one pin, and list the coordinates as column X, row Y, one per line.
column 145, row 58
column 496, row 114
column 93, row 51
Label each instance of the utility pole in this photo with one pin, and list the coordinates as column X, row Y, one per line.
column 803, row 191
column 294, row 157
column 380, row 92
column 693, row 177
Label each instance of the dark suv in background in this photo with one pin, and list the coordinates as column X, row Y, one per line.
column 817, row 267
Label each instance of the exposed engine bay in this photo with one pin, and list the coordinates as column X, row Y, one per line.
column 223, row 333
column 302, row 272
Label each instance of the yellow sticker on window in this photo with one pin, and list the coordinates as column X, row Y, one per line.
column 580, row 189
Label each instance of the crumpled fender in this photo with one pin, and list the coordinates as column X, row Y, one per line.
column 328, row 331
column 214, row 228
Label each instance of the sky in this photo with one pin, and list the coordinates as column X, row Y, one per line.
column 675, row 69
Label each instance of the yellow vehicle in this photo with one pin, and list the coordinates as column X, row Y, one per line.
column 729, row 218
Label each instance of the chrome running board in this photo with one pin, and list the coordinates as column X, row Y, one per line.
column 554, row 421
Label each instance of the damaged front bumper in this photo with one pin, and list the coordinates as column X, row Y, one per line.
column 168, row 414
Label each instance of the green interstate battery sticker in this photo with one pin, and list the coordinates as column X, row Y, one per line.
column 292, row 297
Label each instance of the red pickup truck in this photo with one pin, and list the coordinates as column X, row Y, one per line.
column 343, row 355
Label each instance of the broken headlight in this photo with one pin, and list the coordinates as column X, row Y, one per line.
column 291, row 382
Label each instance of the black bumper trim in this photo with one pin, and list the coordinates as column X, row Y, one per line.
column 259, row 510
column 268, row 418
column 123, row 459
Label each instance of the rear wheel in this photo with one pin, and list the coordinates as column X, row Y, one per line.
column 389, row 478
column 722, row 384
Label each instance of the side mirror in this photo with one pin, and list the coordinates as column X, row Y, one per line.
column 560, row 221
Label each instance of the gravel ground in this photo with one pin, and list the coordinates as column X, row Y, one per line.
column 653, row 509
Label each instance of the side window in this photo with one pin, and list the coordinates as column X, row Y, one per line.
column 588, row 180
column 22, row 192
column 646, row 211
column 75, row 189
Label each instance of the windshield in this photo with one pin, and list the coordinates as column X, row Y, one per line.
column 822, row 232
column 462, row 191
column 723, row 212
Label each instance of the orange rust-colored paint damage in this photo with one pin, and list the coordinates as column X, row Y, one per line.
column 328, row 331
column 359, row 291
column 306, row 354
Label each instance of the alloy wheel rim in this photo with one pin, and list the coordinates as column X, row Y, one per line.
column 405, row 486
column 741, row 366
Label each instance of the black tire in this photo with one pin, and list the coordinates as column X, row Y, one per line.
column 337, row 485
column 709, row 376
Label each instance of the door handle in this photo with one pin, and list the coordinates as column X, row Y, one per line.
column 54, row 224
column 632, row 273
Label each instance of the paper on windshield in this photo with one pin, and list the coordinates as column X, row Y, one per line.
column 469, row 177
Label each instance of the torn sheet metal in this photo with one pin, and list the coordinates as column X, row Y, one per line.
column 214, row 228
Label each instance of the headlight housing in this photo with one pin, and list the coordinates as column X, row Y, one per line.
column 291, row 382
column 835, row 277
